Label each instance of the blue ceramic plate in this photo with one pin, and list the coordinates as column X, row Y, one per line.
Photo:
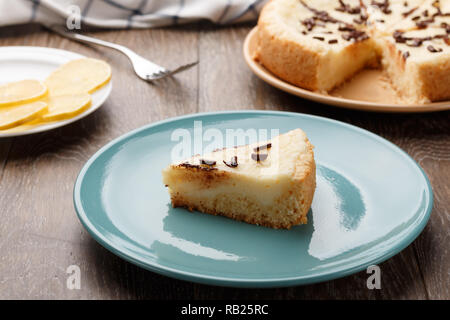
column 372, row 200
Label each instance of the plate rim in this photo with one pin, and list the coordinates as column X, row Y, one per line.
column 282, row 85
column 57, row 124
column 198, row 277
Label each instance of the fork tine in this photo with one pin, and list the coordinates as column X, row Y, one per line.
column 182, row 68
column 165, row 73
column 157, row 75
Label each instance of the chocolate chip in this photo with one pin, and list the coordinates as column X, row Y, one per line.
column 195, row 166
column 319, row 38
column 319, row 15
column 232, row 163
column 433, row 49
column 407, row 13
column 259, row 156
column 424, row 23
column 332, row 41
column 355, row 35
column 346, row 27
column 347, row 8
column 208, row 162
column 309, row 23
column 398, row 36
column 405, row 55
column 383, row 6
column 263, row 147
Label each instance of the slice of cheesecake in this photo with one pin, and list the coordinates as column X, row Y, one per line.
column 270, row 183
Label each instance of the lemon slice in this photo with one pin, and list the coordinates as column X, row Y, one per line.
column 78, row 76
column 21, row 92
column 13, row 116
column 66, row 106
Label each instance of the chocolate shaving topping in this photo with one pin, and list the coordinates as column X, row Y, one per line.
column 319, row 38
column 398, row 37
column 416, row 41
column 424, row 23
column 355, row 35
column 405, row 4
column 407, row 13
column 405, row 55
column 263, row 147
column 363, row 15
column 232, row 163
column 347, row 8
column 259, row 156
column 433, row 49
column 319, row 16
column 346, row 27
column 332, row 41
column 188, row 165
column 196, row 166
column 382, row 5
column 208, row 162
column 309, row 23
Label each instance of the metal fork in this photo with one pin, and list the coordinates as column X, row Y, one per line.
column 145, row 69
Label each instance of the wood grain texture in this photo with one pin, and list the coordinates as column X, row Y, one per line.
column 40, row 235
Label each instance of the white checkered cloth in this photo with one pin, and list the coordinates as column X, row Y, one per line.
column 128, row 13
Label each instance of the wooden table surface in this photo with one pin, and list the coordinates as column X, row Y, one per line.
column 40, row 235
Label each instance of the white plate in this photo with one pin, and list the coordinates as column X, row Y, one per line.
column 19, row 63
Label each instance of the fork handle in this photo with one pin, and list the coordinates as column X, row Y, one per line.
column 82, row 38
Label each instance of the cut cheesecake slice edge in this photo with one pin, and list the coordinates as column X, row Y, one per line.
column 421, row 73
column 270, row 183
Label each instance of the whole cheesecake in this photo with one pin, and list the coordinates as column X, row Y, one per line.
column 270, row 184
column 319, row 44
